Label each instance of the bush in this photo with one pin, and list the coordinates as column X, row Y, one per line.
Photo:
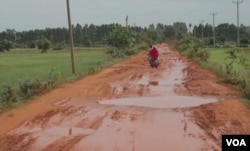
column 52, row 78
column 115, row 52
column 130, row 52
column 43, row 44
column 5, row 45
column 203, row 55
column 30, row 88
column 7, row 96
column 27, row 88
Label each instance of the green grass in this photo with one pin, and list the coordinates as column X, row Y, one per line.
column 218, row 58
column 20, row 64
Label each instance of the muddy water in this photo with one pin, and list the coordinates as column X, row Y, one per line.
column 161, row 101
column 162, row 94
column 155, row 131
column 103, row 128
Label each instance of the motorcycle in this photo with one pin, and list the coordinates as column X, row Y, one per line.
column 154, row 62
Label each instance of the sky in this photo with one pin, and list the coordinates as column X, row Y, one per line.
column 24, row 15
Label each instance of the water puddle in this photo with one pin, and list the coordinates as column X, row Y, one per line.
column 161, row 101
column 162, row 93
column 158, row 130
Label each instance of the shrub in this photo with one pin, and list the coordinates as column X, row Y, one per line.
column 203, row 55
column 7, row 96
column 30, row 88
column 52, row 78
column 115, row 52
column 130, row 52
column 44, row 44
column 5, row 45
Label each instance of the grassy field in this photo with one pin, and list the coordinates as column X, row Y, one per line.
column 237, row 75
column 219, row 58
column 20, row 64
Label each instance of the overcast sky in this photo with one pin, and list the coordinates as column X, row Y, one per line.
column 39, row 14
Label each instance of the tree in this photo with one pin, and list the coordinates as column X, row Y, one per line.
column 160, row 27
column 5, row 45
column 245, row 31
column 120, row 38
column 153, row 35
column 151, row 26
column 78, row 36
column 208, row 31
column 229, row 31
column 169, row 32
column 91, row 33
column 44, row 44
column 181, row 29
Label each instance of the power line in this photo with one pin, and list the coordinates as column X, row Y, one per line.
column 113, row 14
column 104, row 9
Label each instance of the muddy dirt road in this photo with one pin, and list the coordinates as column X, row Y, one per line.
column 130, row 107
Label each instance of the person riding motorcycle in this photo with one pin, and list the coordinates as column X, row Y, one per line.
column 154, row 54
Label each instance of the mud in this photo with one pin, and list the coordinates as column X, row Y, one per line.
column 130, row 106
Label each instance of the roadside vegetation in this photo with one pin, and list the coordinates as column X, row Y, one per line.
column 231, row 63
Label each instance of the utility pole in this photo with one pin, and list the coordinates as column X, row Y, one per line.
column 202, row 29
column 238, row 16
column 213, row 14
column 127, row 21
column 71, row 39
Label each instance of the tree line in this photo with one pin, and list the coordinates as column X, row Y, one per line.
column 89, row 35
column 224, row 33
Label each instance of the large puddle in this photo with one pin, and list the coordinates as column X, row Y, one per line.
column 161, row 101
column 162, row 90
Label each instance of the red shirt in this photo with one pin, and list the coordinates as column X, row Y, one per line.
column 154, row 53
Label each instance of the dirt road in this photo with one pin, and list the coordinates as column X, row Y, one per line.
column 130, row 107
